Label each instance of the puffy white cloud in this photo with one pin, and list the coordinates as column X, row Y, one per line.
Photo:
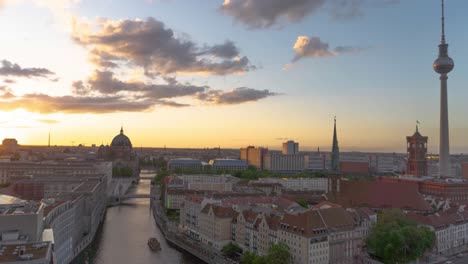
column 313, row 47
column 151, row 45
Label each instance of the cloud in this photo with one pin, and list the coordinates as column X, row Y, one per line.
column 310, row 47
column 257, row 14
column 5, row 92
column 348, row 49
column 235, row 96
column 226, row 50
column 314, row 47
column 48, row 121
column 154, row 47
column 103, row 93
column 47, row 104
column 104, row 82
column 14, row 70
column 9, row 81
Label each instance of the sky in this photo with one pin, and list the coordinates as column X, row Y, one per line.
column 232, row 73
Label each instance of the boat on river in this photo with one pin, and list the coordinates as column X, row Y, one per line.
column 154, row 244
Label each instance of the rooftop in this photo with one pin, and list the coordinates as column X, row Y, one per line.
column 220, row 211
column 318, row 222
column 87, row 186
column 7, row 199
column 23, row 209
column 26, row 251
column 379, row 194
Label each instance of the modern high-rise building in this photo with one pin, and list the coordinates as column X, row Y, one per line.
column 254, row 156
column 290, row 147
column 443, row 65
column 417, row 150
column 287, row 164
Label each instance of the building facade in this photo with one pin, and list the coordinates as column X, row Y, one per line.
column 185, row 164
column 288, row 164
column 254, row 156
column 228, row 165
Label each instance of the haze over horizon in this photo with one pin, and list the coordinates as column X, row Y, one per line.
column 207, row 73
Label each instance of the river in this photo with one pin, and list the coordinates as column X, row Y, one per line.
column 125, row 232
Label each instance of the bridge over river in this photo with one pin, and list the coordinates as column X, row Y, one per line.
column 119, row 188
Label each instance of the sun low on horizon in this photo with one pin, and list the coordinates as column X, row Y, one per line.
column 195, row 74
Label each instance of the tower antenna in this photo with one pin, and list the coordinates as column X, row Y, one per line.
column 443, row 23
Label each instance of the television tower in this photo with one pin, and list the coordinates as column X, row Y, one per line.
column 443, row 65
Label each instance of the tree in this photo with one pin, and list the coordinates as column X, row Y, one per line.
column 279, row 254
column 231, row 250
column 397, row 239
column 248, row 258
column 303, row 203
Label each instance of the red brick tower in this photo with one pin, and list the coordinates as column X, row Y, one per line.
column 417, row 150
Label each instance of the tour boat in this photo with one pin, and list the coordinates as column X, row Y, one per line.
column 153, row 243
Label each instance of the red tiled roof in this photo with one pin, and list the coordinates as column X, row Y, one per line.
column 194, row 198
column 318, row 222
column 311, row 197
column 438, row 221
column 379, row 194
column 365, row 212
column 249, row 215
column 325, row 204
column 273, row 221
column 220, row 211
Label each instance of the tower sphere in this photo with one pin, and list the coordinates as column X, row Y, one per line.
column 443, row 65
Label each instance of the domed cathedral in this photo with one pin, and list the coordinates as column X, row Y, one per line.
column 124, row 158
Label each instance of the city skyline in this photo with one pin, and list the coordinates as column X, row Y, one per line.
column 281, row 86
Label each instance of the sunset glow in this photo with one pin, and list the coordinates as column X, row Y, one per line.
column 208, row 74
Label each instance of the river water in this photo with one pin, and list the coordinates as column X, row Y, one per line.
column 124, row 235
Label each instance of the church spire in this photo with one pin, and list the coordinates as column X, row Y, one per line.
column 335, row 159
column 121, row 130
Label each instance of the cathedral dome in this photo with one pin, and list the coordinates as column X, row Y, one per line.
column 121, row 140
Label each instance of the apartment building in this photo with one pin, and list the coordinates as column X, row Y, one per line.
column 451, row 230
column 215, row 225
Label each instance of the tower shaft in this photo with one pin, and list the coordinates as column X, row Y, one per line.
column 444, row 149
